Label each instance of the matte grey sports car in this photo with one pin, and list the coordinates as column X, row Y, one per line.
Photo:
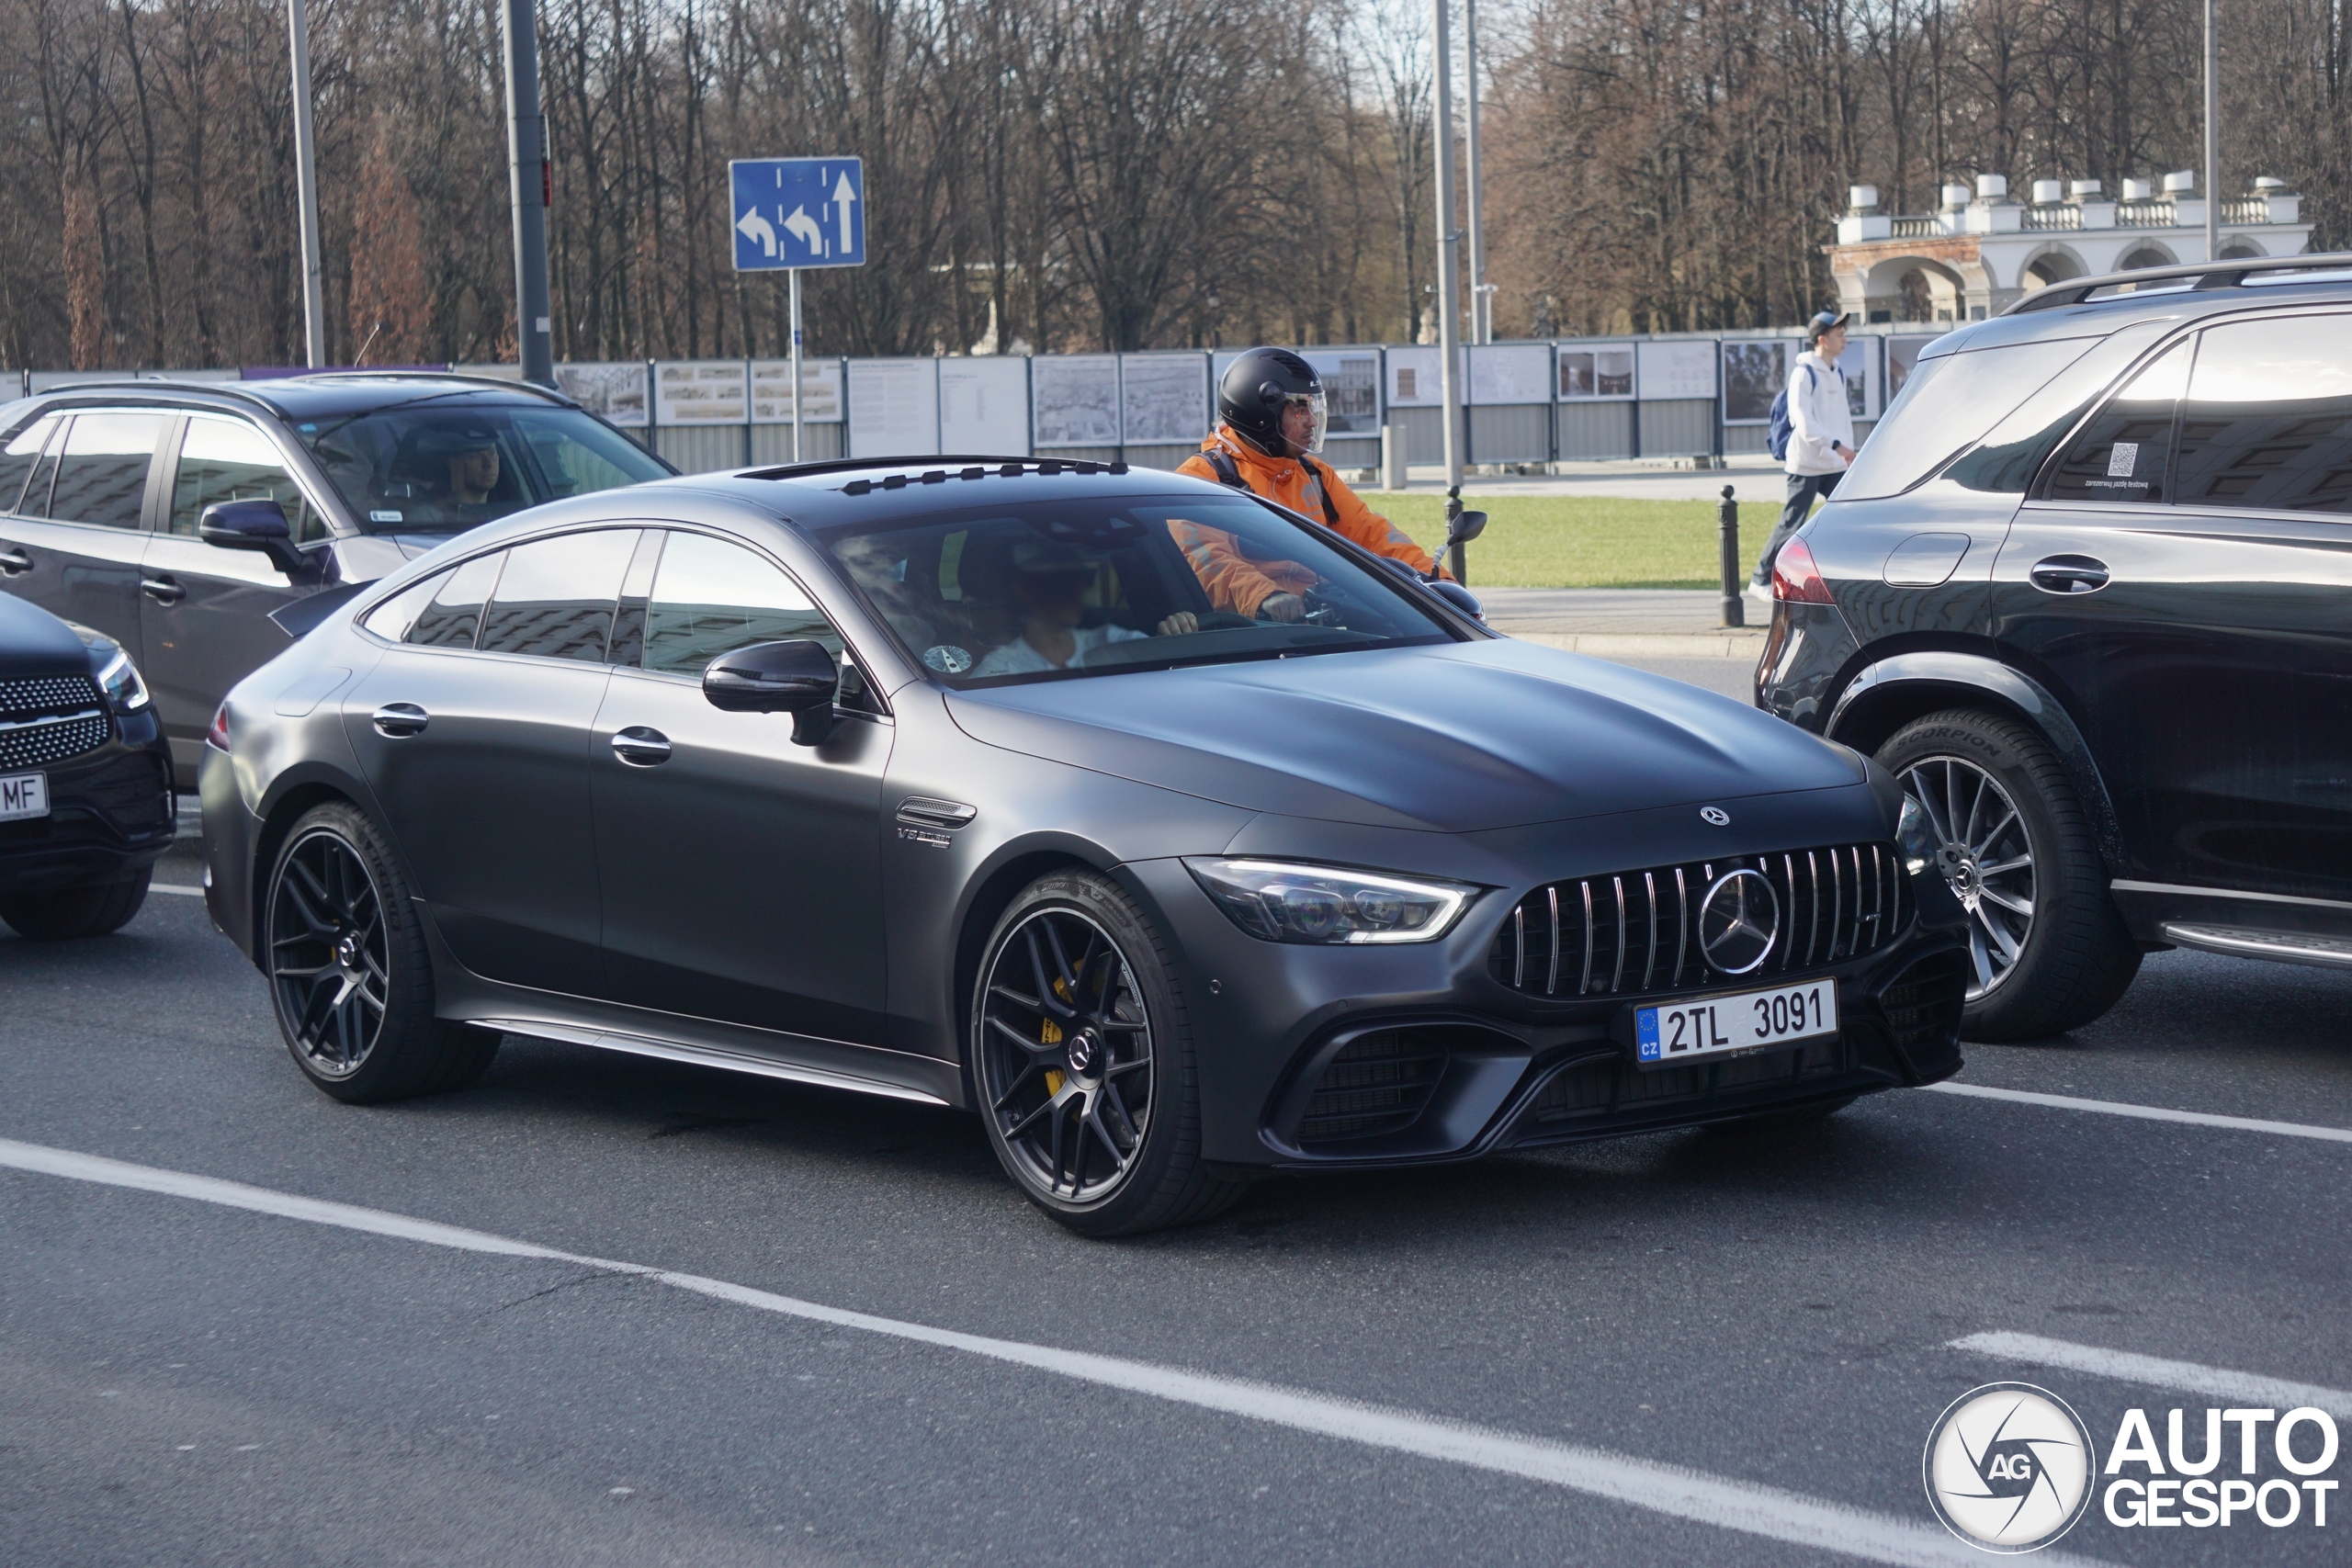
column 961, row 784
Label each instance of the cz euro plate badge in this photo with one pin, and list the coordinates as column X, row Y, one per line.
column 23, row 796
column 1674, row 1033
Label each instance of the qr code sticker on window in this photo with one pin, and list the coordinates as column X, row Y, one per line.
column 2123, row 459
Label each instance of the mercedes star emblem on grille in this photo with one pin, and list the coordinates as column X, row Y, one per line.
column 1716, row 815
column 1738, row 920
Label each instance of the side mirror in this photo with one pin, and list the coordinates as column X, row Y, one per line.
column 797, row 677
column 1465, row 528
column 253, row 525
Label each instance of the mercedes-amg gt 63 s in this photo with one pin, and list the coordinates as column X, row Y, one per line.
column 963, row 783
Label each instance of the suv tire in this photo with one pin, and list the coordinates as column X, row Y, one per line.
column 2074, row 957
column 67, row 914
column 1082, row 1058
column 349, row 976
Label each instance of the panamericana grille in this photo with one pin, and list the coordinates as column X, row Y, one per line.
column 47, row 719
column 1378, row 1084
column 1638, row 931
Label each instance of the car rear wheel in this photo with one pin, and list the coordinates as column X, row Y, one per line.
column 2049, row 952
column 67, row 913
column 1083, row 1063
column 348, row 972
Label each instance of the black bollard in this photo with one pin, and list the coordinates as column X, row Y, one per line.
column 1727, row 516
column 1458, row 564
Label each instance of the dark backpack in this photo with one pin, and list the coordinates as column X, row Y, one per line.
column 1228, row 473
column 1776, row 435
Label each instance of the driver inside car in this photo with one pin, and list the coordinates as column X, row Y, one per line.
column 1048, row 583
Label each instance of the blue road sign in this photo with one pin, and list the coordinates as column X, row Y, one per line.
column 796, row 212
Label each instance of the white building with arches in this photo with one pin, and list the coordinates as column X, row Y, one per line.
column 1984, row 250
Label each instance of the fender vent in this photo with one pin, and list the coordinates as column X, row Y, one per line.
column 1378, row 1084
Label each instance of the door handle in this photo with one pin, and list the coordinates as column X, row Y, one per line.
column 640, row 747
column 15, row 563
column 400, row 720
column 2069, row 574
column 161, row 589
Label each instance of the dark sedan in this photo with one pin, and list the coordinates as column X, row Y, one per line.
column 85, row 780
column 959, row 786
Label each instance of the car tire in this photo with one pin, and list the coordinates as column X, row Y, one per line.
column 349, row 976
column 68, row 913
column 1075, row 1010
column 2068, row 957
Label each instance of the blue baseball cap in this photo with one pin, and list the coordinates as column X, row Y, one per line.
column 1828, row 320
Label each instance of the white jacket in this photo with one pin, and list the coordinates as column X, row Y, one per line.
column 1817, row 416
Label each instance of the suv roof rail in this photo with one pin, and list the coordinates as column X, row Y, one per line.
column 250, row 391
column 359, row 374
column 1002, row 466
column 2227, row 273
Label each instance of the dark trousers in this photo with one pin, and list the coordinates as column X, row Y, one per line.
column 1802, row 488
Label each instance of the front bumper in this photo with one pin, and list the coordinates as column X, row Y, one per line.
column 1341, row 1057
column 110, row 815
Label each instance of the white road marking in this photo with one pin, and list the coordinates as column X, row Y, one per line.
column 2149, row 1112
column 1661, row 1488
column 175, row 887
column 2243, row 1388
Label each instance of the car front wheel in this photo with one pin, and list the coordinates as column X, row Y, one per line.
column 1083, row 1063
column 348, row 972
column 2049, row 951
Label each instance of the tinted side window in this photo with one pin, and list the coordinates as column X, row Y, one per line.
column 222, row 460
column 102, row 477
column 555, row 597
column 449, row 620
column 710, row 597
column 2124, row 454
column 2269, row 421
column 20, row 458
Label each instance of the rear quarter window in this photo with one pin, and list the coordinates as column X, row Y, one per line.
column 1946, row 407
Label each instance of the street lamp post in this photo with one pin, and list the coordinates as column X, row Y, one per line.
column 1482, row 321
column 306, row 187
column 529, row 181
column 1449, row 301
column 2213, row 139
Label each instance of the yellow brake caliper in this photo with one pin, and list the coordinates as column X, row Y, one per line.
column 1050, row 1034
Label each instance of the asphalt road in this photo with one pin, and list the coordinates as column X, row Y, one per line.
column 185, row 1381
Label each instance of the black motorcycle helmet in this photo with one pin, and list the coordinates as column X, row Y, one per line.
column 1258, row 387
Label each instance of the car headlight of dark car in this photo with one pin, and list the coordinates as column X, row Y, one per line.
column 118, row 677
column 1916, row 834
column 1330, row 904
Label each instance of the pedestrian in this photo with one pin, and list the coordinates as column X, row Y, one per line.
column 1271, row 415
column 1821, row 435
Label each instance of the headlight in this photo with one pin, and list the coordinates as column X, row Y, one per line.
column 1916, row 834
column 120, row 680
column 1323, row 905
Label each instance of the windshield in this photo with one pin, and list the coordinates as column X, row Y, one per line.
column 1064, row 590
column 428, row 469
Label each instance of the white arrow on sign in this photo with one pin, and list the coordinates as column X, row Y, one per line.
column 804, row 228
column 755, row 227
column 842, row 196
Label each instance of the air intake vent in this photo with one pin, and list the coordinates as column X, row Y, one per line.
column 1639, row 931
column 1378, row 1084
column 1923, row 1007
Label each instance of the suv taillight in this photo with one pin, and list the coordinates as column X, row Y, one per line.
column 1795, row 577
column 218, row 734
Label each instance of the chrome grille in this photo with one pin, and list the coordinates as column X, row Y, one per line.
column 1637, row 932
column 48, row 718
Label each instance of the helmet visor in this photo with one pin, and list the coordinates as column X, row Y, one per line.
column 1305, row 416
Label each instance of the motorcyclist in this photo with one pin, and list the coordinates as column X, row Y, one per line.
column 1271, row 415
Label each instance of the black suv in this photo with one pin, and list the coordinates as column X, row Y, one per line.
column 2087, row 591
column 179, row 519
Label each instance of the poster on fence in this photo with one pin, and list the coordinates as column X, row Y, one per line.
column 820, row 391
column 1503, row 373
column 893, row 407
column 615, row 392
column 1163, row 398
column 1074, row 399
column 1902, row 354
column 1413, row 380
column 1673, row 370
column 1596, row 372
column 1858, row 365
column 701, row 392
column 984, row 405
column 1754, row 373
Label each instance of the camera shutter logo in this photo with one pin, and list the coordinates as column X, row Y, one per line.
column 1739, row 919
column 2008, row 1467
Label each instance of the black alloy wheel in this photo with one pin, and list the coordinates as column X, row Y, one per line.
column 348, row 971
column 1082, row 1066
column 2047, row 948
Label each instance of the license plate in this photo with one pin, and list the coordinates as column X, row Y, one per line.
column 1743, row 1021
column 24, row 795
